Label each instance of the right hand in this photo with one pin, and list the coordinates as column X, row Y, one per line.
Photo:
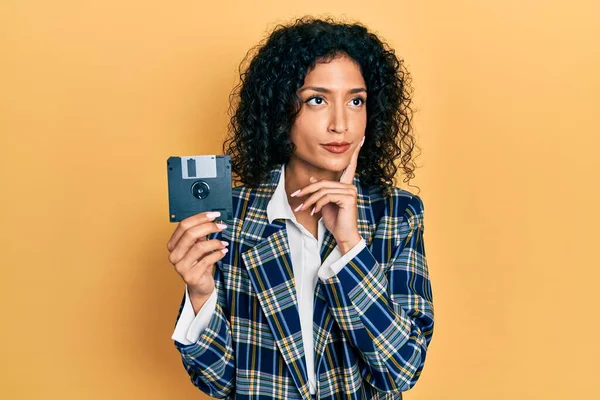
column 193, row 256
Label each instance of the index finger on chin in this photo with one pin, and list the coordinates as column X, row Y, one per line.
column 348, row 175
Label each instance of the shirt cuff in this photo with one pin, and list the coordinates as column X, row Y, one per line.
column 189, row 327
column 336, row 261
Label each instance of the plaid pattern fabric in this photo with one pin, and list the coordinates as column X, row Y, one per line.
column 372, row 323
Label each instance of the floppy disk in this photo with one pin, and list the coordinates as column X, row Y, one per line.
column 198, row 184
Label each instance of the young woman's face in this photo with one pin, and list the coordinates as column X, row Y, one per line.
column 334, row 112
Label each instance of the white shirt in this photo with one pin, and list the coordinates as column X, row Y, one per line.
column 306, row 264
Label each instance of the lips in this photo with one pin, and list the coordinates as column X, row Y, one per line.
column 336, row 147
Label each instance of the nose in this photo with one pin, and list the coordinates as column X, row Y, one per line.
column 338, row 123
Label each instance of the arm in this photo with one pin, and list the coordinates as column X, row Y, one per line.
column 386, row 310
column 209, row 361
column 336, row 261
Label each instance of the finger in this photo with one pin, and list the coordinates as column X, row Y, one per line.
column 348, row 174
column 317, row 185
column 188, row 223
column 342, row 200
column 320, row 194
column 197, row 253
column 178, row 259
column 203, row 266
column 200, row 250
column 192, row 236
column 206, row 253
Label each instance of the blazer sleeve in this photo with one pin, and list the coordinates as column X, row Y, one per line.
column 385, row 309
column 210, row 360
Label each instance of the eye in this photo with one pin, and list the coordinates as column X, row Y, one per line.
column 360, row 99
column 319, row 98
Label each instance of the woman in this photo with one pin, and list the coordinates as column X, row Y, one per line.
column 320, row 287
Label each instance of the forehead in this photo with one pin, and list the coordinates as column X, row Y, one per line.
column 340, row 72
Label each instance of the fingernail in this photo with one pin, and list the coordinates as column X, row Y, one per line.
column 295, row 193
column 313, row 211
column 221, row 226
column 225, row 243
column 212, row 215
column 224, row 251
column 362, row 141
column 312, row 179
column 297, row 208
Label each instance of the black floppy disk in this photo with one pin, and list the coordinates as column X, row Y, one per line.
column 198, row 184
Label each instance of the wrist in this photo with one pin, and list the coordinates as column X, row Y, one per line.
column 347, row 245
column 198, row 301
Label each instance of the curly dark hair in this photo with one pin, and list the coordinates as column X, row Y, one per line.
column 267, row 103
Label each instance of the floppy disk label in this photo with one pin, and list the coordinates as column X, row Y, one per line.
column 195, row 167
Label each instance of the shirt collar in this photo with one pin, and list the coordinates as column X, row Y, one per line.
column 278, row 206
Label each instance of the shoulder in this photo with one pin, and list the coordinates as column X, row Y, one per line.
column 245, row 200
column 241, row 194
column 244, row 196
column 394, row 202
column 398, row 214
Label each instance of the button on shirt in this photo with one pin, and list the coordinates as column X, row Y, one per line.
column 306, row 265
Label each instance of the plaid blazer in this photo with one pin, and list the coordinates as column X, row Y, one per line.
column 372, row 323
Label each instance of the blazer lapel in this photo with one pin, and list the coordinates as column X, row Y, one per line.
column 270, row 271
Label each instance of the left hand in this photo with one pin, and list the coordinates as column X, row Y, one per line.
column 337, row 202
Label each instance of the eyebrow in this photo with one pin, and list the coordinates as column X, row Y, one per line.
column 325, row 90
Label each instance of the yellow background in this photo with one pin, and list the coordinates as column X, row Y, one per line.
column 96, row 95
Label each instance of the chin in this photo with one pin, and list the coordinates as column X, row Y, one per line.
column 333, row 165
column 325, row 162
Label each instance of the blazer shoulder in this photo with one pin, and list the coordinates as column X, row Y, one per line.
column 242, row 197
column 398, row 203
column 397, row 214
column 241, row 193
